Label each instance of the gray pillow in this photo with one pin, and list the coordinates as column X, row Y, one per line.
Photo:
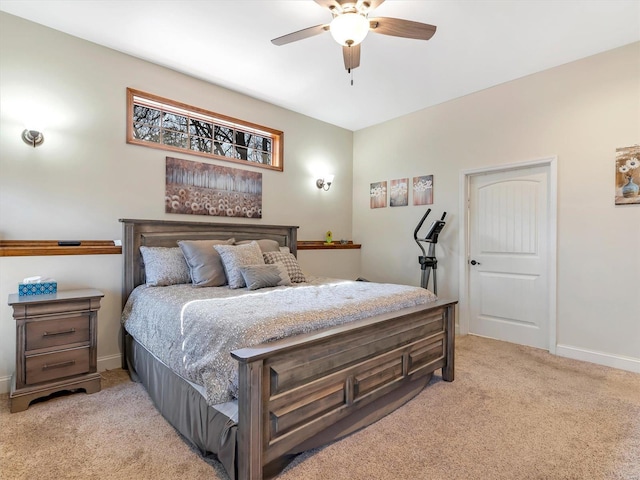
column 261, row 276
column 236, row 256
column 266, row 245
column 289, row 261
column 205, row 265
column 164, row 266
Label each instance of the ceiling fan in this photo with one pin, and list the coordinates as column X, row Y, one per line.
column 350, row 26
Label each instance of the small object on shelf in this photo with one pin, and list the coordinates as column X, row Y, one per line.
column 328, row 239
column 69, row 243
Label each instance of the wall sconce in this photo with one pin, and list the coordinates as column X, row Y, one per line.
column 325, row 183
column 32, row 137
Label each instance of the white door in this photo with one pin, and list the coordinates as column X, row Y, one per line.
column 508, row 249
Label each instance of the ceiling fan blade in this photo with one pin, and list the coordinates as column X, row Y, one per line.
column 351, row 56
column 328, row 3
column 300, row 35
column 337, row 4
column 402, row 28
column 374, row 3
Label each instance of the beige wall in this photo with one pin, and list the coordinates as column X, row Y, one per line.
column 85, row 177
column 580, row 112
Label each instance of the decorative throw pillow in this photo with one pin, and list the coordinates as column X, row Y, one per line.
column 236, row 256
column 164, row 266
column 289, row 261
column 266, row 244
column 205, row 265
column 261, row 276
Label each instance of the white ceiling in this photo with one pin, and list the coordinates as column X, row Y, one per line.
column 478, row 44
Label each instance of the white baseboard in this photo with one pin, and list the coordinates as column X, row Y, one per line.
column 104, row 363
column 608, row 360
column 5, row 384
column 110, row 363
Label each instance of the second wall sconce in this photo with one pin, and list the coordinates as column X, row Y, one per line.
column 32, row 137
column 325, row 183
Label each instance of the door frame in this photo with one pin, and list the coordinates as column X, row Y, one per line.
column 463, row 262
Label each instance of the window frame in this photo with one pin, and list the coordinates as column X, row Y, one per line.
column 138, row 97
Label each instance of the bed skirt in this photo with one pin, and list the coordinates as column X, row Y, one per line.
column 212, row 430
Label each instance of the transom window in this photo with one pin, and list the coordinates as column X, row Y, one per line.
column 161, row 123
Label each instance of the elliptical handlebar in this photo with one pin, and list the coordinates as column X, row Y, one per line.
column 433, row 232
column 424, row 217
column 415, row 232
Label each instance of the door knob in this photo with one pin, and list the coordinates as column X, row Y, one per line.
column 473, row 262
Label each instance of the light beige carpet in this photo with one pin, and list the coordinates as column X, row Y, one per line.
column 512, row 413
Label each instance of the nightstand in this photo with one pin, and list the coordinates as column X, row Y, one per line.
column 56, row 344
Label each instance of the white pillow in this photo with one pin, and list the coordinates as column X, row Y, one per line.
column 164, row 266
column 236, row 256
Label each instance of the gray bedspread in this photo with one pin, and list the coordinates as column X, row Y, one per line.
column 192, row 330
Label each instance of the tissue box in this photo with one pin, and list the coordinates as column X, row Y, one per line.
column 44, row 288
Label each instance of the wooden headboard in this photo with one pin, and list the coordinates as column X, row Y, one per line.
column 164, row 233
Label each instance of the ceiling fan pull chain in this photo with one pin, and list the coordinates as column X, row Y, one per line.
column 350, row 70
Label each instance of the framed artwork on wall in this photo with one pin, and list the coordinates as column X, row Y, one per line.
column 399, row 193
column 198, row 188
column 378, row 195
column 628, row 175
column 423, row 190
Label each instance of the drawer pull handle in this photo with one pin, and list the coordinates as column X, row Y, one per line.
column 59, row 365
column 63, row 332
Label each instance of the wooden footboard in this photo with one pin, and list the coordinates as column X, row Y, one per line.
column 331, row 383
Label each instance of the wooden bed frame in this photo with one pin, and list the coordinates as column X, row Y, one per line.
column 305, row 391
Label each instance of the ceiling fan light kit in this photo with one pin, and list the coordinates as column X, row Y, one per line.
column 349, row 29
column 351, row 24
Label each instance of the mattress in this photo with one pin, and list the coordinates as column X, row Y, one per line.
column 192, row 330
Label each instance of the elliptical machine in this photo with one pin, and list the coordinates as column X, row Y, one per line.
column 428, row 261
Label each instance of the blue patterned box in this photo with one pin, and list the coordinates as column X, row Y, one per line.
column 44, row 288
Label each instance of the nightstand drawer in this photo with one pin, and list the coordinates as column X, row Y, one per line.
column 35, row 309
column 61, row 331
column 50, row 366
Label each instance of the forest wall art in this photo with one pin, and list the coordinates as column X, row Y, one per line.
column 198, row 188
